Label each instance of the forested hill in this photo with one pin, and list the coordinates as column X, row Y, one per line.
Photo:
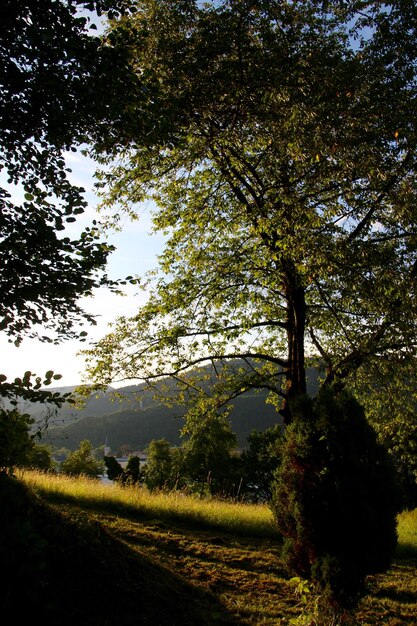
column 132, row 417
column 136, row 427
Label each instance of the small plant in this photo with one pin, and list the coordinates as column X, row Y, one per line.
column 315, row 608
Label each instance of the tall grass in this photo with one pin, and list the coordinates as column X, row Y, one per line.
column 238, row 518
column 407, row 532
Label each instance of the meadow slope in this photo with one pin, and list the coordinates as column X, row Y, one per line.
column 170, row 559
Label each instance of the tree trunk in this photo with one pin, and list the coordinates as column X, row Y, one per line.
column 295, row 373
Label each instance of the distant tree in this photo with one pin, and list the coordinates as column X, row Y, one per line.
column 40, row 457
column 208, row 450
column 259, row 462
column 131, row 474
column 113, row 467
column 82, row 461
column 158, row 472
column 18, row 446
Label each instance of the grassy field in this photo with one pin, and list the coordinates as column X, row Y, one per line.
column 221, row 559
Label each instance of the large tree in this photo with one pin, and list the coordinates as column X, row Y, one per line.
column 278, row 142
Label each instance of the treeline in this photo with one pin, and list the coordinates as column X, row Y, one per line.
column 207, row 463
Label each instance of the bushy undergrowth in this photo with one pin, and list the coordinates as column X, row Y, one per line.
column 335, row 499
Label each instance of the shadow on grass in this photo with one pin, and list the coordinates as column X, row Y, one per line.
column 406, row 552
column 65, row 569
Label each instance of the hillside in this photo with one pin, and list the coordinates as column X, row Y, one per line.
column 137, row 427
column 65, row 568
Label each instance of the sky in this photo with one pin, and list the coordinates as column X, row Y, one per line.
column 136, row 253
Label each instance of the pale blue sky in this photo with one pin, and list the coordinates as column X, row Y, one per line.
column 136, row 253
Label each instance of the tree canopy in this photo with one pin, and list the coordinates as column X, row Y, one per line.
column 52, row 68
column 83, row 462
column 278, row 142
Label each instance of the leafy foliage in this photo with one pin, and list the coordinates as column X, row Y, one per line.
column 30, row 390
column 82, row 462
column 49, row 63
column 115, row 471
column 391, row 408
column 259, row 462
column 40, row 458
column 132, row 471
column 159, row 472
column 336, row 497
column 113, row 468
column 18, row 447
column 16, row 440
column 207, row 451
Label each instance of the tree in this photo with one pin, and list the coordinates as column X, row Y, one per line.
column 40, row 458
column 335, row 499
column 113, row 468
column 48, row 59
column 18, row 447
column 260, row 461
column 82, row 462
column 51, row 63
column 277, row 140
column 158, row 472
column 391, row 409
column 115, row 471
column 207, row 451
column 132, row 472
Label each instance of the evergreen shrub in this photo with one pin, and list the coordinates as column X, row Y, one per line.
column 335, row 497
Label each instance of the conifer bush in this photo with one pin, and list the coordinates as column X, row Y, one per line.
column 335, row 497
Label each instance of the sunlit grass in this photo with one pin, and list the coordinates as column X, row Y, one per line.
column 235, row 517
column 407, row 530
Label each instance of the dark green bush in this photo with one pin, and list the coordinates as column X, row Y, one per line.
column 131, row 475
column 113, row 468
column 335, row 497
column 16, row 441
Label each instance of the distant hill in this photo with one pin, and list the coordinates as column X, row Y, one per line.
column 135, row 419
column 137, row 427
